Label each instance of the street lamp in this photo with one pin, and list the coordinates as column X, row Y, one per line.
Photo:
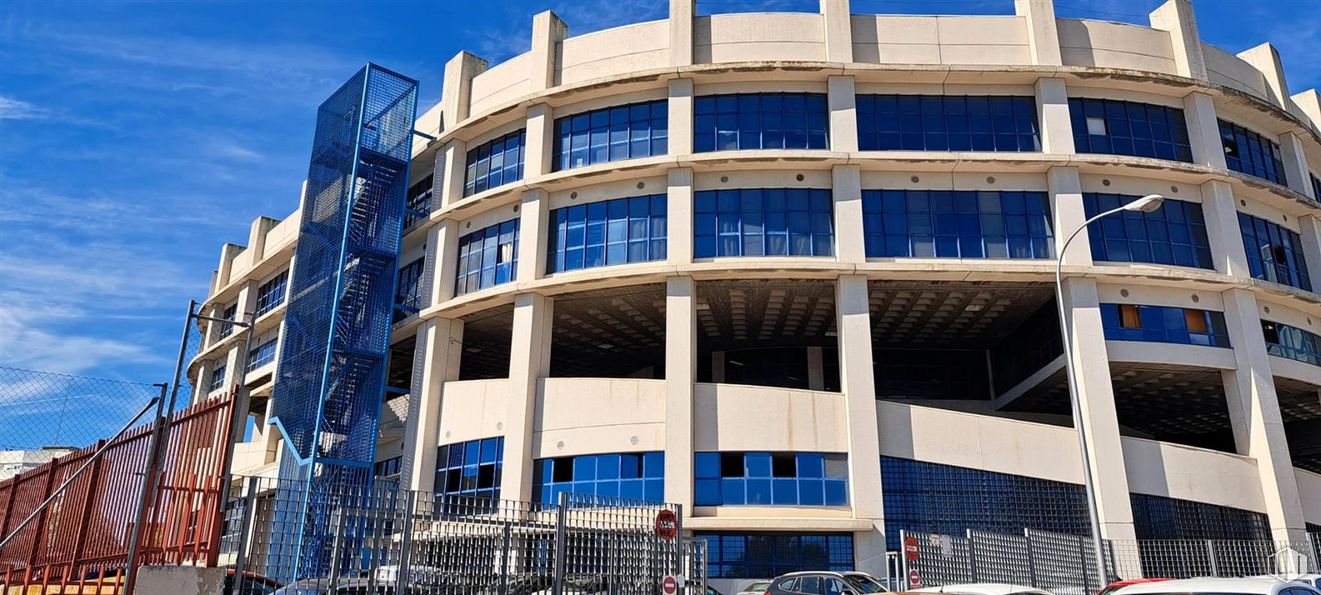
column 1146, row 204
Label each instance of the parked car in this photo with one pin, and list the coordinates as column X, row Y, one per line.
column 1311, row 580
column 346, row 586
column 820, row 583
column 984, row 589
column 252, row 584
column 755, row 588
column 872, row 584
column 1117, row 585
column 1256, row 585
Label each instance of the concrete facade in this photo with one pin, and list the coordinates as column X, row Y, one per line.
column 679, row 411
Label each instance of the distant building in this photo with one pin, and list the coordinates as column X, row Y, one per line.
column 13, row 462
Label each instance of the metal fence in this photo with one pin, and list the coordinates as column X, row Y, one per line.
column 1065, row 564
column 438, row 544
column 74, row 519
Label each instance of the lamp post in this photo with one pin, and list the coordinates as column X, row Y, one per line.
column 1146, row 204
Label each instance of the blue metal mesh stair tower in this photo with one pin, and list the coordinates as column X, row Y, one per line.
column 331, row 375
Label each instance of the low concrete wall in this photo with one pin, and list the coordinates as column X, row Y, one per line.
column 180, row 580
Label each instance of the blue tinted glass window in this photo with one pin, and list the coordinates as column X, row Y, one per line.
column 1174, row 234
column 418, row 205
column 1274, row 252
column 229, row 313
column 760, row 121
column 1251, row 153
column 947, row 123
column 1316, row 187
column 217, row 379
column 388, row 468
column 763, row 222
column 470, row 468
column 957, row 224
column 263, row 350
column 487, row 257
column 632, row 476
column 271, row 293
column 770, row 479
column 767, row 555
column 606, row 233
column 1164, row 324
column 1159, row 517
column 408, row 289
column 1129, row 128
column 494, row 163
column 1291, row 342
column 611, row 134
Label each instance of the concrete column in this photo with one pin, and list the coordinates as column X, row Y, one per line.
column 257, row 236
column 680, row 374
column 247, row 303
column 1220, row 211
column 1199, row 112
column 548, row 30
column 227, row 254
column 539, row 146
column 533, row 217
column 442, row 260
column 1053, row 109
column 846, row 190
column 679, row 216
column 455, row 95
column 1096, row 395
column 1065, row 188
column 435, row 362
column 838, row 24
column 857, row 382
column 1254, row 411
column 681, row 116
column 1043, row 39
column 1310, row 103
column 1266, row 60
column 529, row 362
column 843, row 112
column 682, row 13
column 816, row 373
column 1309, row 229
column 1297, row 174
column 1176, row 17
column 452, row 167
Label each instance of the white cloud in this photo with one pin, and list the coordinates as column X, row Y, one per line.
column 13, row 109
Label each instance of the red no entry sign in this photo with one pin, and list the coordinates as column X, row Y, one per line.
column 914, row 579
column 910, row 549
column 667, row 525
column 670, row 585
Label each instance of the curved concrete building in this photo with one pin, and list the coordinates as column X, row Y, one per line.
column 794, row 271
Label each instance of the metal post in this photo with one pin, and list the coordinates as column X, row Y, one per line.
column 902, row 583
column 678, row 539
column 1211, row 558
column 336, row 520
column 406, row 542
column 240, row 561
column 148, row 493
column 1080, row 424
column 1031, row 559
column 561, row 544
column 504, row 560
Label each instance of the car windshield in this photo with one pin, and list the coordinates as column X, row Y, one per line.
column 864, row 584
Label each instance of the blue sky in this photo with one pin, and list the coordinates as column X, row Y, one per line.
column 137, row 137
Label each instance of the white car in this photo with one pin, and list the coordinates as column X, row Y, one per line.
column 755, row 588
column 1222, row 586
column 984, row 589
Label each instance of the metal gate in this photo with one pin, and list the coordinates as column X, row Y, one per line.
column 440, row 544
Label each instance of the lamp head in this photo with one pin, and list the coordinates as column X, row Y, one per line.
column 1146, row 204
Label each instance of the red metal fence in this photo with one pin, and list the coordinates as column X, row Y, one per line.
column 79, row 544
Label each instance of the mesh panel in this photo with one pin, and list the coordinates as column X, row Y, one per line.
column 332, row 368
column 1000, row 558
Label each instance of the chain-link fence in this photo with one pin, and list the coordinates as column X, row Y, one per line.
column 436, row 544
column 1066, row 565
column 44, row 415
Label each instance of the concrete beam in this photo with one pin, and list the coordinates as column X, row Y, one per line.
column 1043, row 37
column 456, row 94
column 1177, row 18
column 548, row 30
column 680, row 374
